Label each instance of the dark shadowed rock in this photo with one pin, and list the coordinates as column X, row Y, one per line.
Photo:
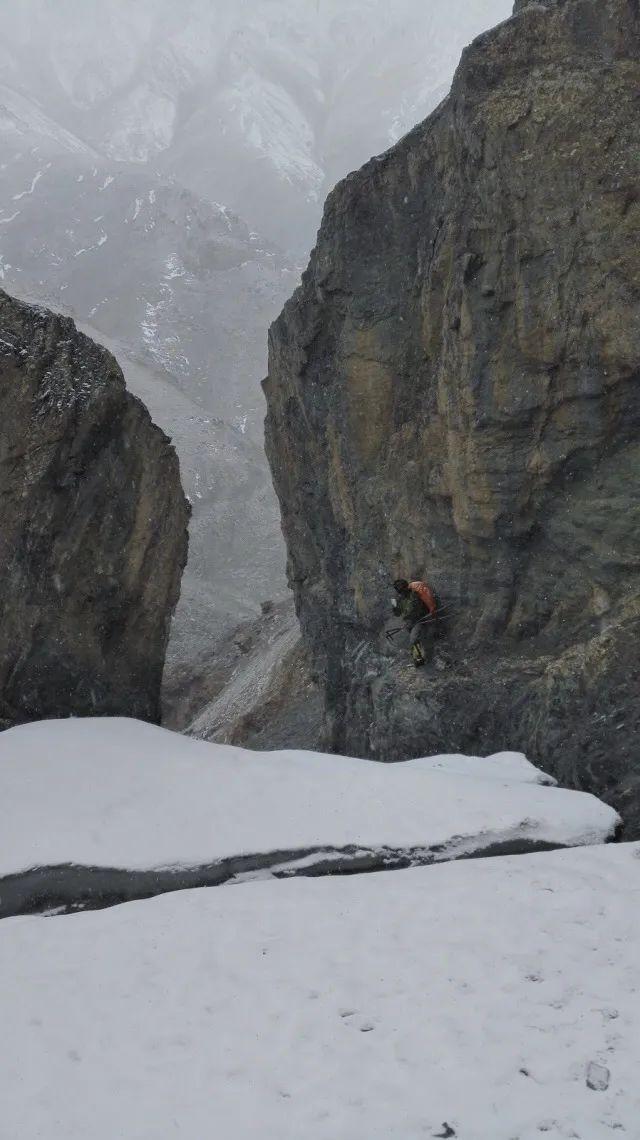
column 454, row 393
column 93, row 528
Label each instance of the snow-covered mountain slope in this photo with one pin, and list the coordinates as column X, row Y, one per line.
column 166, row 811
column 261, row 104
column 487, row 1000
column 182, row 283
column 24, row 122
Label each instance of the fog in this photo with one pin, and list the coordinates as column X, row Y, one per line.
column 260, row 104
column 163, row 167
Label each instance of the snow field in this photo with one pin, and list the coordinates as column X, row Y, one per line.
column 118, row 793
column 483, row 994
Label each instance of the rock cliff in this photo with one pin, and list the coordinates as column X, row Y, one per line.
column 454, row 393
column 93, row 528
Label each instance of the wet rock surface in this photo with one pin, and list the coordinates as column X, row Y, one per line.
column 68, row 888
column 93, row 528
column 454, row 394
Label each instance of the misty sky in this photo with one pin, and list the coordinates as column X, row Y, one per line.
column 163, row 168
column 129, row 77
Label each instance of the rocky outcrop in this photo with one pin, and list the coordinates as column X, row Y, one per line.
column 93, row 528
column 454, row 393
column 520, row 4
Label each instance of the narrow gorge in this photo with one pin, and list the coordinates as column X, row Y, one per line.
column 453, row 394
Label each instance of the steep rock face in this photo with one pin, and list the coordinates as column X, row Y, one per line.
column 454, row 393
column 93, row 528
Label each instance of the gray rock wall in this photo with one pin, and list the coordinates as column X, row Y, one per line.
column 519, row 5
column 93, row 528
column 454, row 393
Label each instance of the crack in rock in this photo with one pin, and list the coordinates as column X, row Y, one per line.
column 67, row 888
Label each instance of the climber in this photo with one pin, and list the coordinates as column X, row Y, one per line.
column 416, row 605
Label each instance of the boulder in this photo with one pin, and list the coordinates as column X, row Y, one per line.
column 93, row 528
column 453, row 394
column 99, row 811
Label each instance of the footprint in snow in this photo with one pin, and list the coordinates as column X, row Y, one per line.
column 598, row 1077
column 610, row 1014
column 347, row 1014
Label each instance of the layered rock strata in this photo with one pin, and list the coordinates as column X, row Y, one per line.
column 454, row 393
column 93, row 528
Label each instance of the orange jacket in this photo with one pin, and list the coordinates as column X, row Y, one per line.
column 426, row 595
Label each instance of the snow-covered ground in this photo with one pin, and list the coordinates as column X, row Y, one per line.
column 120, row 793
column 497, row 999
column 492, row 999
